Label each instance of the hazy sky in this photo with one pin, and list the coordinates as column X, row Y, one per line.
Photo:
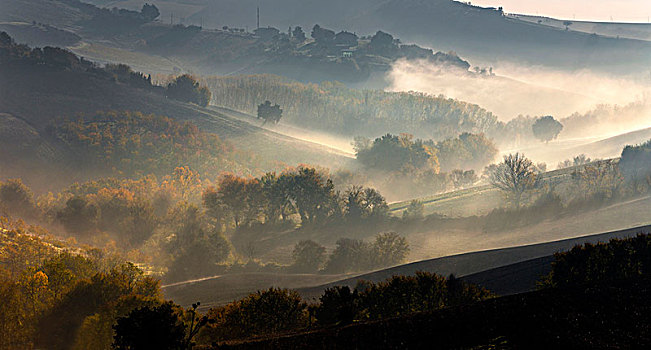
column 596, row 10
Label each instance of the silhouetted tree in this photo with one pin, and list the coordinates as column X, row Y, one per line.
column 187, row 89
column 338, row 306
column 149, row 12
column 346, row 38
column 160, row 327
column 269, row 113
column 79, row 216
column 362, row 203
column 298, row 34
column 322, row 35
column 349, row 255
column 270, row 311
column 546, row 128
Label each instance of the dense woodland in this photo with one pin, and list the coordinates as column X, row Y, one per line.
column 334, row 107
column 132, row 144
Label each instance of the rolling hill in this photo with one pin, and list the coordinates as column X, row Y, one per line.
column 639, row 31
column 506, row 270
column 33, row 96
column 475, row 32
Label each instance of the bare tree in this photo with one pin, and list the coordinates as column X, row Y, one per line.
column 516, row 176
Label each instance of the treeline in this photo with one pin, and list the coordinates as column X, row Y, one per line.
column 590, row 264
column 350, row 255
column 276, row 311
column 306, row 192
column 12, row 55
column 133, row 144
column 406, row 167
column 332, row 107
column 185, row 226
column 335, row 108
column 396, row 152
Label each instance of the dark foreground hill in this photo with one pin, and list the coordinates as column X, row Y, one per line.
column 606, row 316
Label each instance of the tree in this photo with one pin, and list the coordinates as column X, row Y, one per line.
column 313, row 195
column 269, row 113
column 389, row 249
column 338, row 306
column 269, row 311
column 276, row 192
column 393, row 152
column 322, row 35
column 149, row 12
column 58, row 327
column 363, row 203
column 79, row 216
column 298, row 34
column 349, row 255
column 160, row 327
column 546, row 128
column 196, row 245
column 17, row 199
column 383, row 43
column 235, row 193
column 308, row 256
column 515, row 176
column 187, row 89
column 414, row 210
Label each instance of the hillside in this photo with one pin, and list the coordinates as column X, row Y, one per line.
column 471, row 31
column 339, row 110
column 223, row 51
column 38, row 94
column 639, row 31
column 506, row 269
